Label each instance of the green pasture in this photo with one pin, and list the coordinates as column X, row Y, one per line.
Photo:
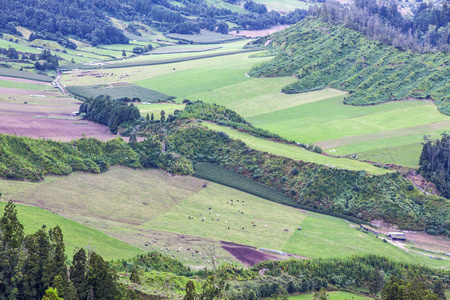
column 223, row 4
column 320, row 236
column 117, row 92
column 332, row 296
column 150, row 210
column 75, row 234
column 23, row 85
column 193, row 77
column 156, row 109
column 205, row 37
column 295, row 152
column 284, row 5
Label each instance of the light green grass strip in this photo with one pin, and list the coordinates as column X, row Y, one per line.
column 75, row 234
column 295, row 152
column 23, row 85
column 332, row 296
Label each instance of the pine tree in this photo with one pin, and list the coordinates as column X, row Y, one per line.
column 11, row 239
column 78, row 274
column 190, row 291
column 152, row 117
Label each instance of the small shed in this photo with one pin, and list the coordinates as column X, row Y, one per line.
column 396, row 236
column 369, row 229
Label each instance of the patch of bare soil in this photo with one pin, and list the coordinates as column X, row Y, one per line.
column 247, row 255
column 421, row 183
column 418, row 238
column 45, row 117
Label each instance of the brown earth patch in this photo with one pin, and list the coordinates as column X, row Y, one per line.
column 418, row 238
column 49, row 118
column 247, row 255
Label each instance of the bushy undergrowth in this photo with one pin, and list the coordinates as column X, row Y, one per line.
column 322, row 55
column 31, row 159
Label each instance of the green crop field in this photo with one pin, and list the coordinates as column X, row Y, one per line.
column 332, row 296
column 117, row 92
column 205, row 37
column 24, row 75
column 75, row 234
column 295, row 152
column 23, row 85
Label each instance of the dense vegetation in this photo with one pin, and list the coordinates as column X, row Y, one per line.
column 89, row 20
column 112, row 113
column 435, row 163
column 57, row 20
column 321, row 55
column 427, row 30
column 31, row 159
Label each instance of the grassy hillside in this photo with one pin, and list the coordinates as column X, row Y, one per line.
column 296, row 152
column 383, row 133
column 75, row 234
column 321, row 55
column 149, row 209
column 332, row 296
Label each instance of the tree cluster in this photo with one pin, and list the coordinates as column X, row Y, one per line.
column 31, row 264
column 435, row 162
column 427, row 30
column 57, row 20
column 255, row 7
column 112, row 113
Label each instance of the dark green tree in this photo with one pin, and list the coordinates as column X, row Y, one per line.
column 11, row 239
column 134, row 277
column 152, row 117
column 101, row 278
column 78, row 272
column 147, row 117
column 376, row 282
column 124, row 54
column 190, row 291
column 163, row 116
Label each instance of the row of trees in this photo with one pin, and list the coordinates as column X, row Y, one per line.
column 31, row 264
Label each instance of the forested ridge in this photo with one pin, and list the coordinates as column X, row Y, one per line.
column 90, row 20
column 320, row 54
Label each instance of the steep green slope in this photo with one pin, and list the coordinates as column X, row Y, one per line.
column 322, row 55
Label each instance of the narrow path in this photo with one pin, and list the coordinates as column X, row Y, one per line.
column 56, row 81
